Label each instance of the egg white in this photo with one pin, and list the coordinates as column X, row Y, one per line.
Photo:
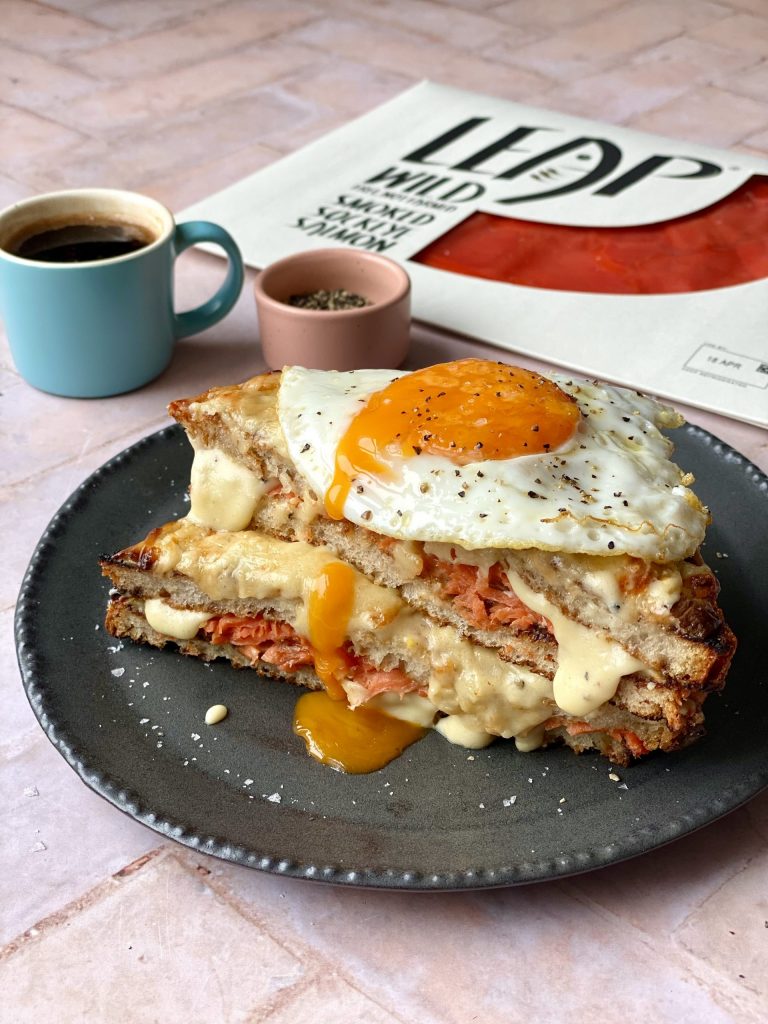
column 611, row 489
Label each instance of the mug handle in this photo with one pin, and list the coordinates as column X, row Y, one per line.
column 193, row 232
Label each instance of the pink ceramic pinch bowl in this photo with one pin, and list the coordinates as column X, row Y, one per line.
column 375, row 335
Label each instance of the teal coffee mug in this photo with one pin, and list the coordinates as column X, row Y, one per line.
column 86, row 289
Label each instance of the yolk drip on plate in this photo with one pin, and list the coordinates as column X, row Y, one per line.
column 358, row 741
column 470, row 410
column 330, row 605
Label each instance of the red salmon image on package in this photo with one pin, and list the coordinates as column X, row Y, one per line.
column 722, row 245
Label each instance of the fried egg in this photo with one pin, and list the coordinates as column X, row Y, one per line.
column 486, row 455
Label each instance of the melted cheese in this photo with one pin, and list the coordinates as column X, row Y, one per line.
column 589, row 664
column 460, row 677
column 464, row 731
column 228, row 566
column 530, row 740
column 248, row 410
column 466, row 679
column 483, row 558
column 661, row 595
column 656, row 599
column 409, row 707
column 224, row 494
column 179, row 623
column 408, row 561
column 604, row 584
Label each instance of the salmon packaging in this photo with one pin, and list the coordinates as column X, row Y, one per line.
column 615, row 253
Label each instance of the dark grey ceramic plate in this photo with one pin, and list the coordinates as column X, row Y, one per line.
column 130, row 722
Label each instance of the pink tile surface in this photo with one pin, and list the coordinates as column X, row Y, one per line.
column 143, row 152
column 704, row 63
column 135, row 16
column 331, row 1000
column 28, row 505
column 19, row 723
column 40, row 28
column 215, row 29
column 549, row 15
column 525, row 934
column 51, row 447
column 728, row 930
column 711, row 859
column 620, row 94
column 576, row 50
column 753, row 82
column 348, row 86
column 149, row 99
column 758, row 142
column 465, row 29
column 25, row 136
column 158, row 945
column 180, row 98
column 710, row 115
column 187, row 185
column 403, row 52
column 746, row 32
column 12, row 191
column 37, row 83
column 65, row 839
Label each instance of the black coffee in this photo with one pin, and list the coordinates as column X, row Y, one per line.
column 81, row 243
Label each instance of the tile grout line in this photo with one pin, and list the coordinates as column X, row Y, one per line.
column 48, row 120
column 116, row 34
column 698, row 970
column 34, row 478
column 188, row 859
column 283, row 998
column 197, row 17
column 166, row 851
column 87, row 899
column 170, row 22
column 47, row 58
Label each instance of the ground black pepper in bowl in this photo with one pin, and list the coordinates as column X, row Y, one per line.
column 338, row 298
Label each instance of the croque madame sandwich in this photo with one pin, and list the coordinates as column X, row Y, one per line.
column 534, row 547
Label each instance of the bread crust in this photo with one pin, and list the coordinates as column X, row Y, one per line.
column 125, row 619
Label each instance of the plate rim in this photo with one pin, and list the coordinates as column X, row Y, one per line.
column 522, row 872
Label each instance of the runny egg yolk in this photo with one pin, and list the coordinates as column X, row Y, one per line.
column 362, row 740
column 358, row 741
column 331, row 599
column 470, row 410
